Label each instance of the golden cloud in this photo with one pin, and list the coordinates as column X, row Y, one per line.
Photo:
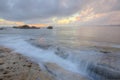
column 89, row 15
column 83, row 16
column 39, row 25
column 6, row 22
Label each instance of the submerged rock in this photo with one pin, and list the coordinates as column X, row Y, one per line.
column 62, row 53
column 40, row 44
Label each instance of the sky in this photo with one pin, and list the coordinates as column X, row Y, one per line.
column 59, row 12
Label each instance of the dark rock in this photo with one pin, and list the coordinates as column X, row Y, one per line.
column 100, row 72
column 32, row 39
column 43, row 46
column 26, row 27
column 15, row 27
column 7, row 67
column 14, row 62
column 50, row 27
column 6, row 72
column 1, row 62
column 1, row 28
column 34, row 27
column 62, row 53
column 1, row 70
column 105, row 52
column 1, row 79
column 29, row 65
column 1, row 56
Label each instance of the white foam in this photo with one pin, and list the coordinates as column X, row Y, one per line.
column 36, row 54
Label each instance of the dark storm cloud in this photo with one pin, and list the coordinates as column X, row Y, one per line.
column 22, row 10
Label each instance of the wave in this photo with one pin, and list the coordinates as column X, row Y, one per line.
column 87, row 62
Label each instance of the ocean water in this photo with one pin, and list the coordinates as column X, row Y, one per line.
column 69, row 47
column 88, row 35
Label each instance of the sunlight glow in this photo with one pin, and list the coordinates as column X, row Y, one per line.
column 82, row 16
column 6, row 22
column 39, row 25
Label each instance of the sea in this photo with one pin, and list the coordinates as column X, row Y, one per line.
column 74, row 48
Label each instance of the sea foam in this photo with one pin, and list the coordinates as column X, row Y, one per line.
column 18, row 44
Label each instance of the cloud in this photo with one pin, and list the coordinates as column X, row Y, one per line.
column 96, row 13
column 65, row 11
column 82, row 16
column 22, row 10
column 6, row 22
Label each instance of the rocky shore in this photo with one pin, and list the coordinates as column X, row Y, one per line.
column 14, row 66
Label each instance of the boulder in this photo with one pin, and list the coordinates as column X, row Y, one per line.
column 1, row 28
column 103, row 72
column 50, row 27
column 61, row 74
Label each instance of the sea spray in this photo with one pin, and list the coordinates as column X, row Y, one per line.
column 37, row 54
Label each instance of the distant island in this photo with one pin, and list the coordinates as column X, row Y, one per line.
column 26, row 27
column 30, row 27
column 50, row 27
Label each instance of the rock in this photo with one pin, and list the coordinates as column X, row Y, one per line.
column 34, row 27
column 62, row 53
column 1, row 55
column 101, row 72
column 61, row 74
column 105, row 52
column 2, row 49
column 43, row 46
column 1, row 28
column 5, row 72
column 50, row 27
column 1, row 62
column 40, row 43
column 11, row 68
column 32, row 39
column 26, row 27
column 1, row 70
